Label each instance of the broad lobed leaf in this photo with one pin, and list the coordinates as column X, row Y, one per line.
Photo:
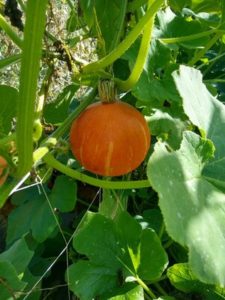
column 19, row 255
column 33, row 215
column 13, row 264
column 9, row 281
column 206, row 112
column 192, row 205
column 65, row 202
column 117, row 250
column 181, row 276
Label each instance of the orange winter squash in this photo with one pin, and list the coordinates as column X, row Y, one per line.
column 3, row 170
column 110, row 139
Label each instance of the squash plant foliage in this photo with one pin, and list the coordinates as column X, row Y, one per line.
column 155, row 233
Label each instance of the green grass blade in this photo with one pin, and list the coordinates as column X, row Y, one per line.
column 5, row 62
column 10, row 32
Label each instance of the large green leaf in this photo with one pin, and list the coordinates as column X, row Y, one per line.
column 192, row 207
column 32, row 280
column 116, row 250
column 136, row 293
column 19, row 255
column 206, row 5
column 106, row 18
column 154, row 91
column 178, row 5
column 8, row 104
column 9, row 281
column 183, row 279
column 173, row 26
column 65, row 202
column 33, row 215
column 206, row 112
column 155, row 83
column 169, row 128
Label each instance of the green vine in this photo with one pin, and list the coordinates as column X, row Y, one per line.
column 137, row 184
column 141, row 58
column 202, row 52
column 126, row 43
column 187, row 38
column 33, row 33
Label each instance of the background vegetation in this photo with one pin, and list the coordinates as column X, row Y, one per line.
column 156, row 233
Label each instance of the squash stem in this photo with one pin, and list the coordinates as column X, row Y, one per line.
column 126, row 43
column 141, row 58
column 107, row 91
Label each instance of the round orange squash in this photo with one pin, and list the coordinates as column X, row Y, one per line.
column 110, row 139
column 3, row 170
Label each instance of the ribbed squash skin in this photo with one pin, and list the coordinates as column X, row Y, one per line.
column 110, row 139
column 3, row 166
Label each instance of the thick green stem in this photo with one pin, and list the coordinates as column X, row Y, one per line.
column 51, row 161
column 10, row 32
column 141, row 58
column 126, row 43
column 33, row 33
column 145, row 287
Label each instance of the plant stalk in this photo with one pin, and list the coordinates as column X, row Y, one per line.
column 191, row 37
column 31, row 55
column 126, row 43
column 202, row 52
column 141, row 58
column 117, row 185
